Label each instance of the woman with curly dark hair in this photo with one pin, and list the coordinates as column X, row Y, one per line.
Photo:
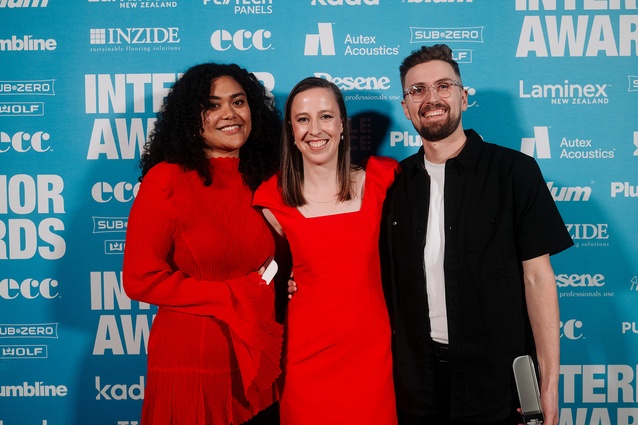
column 195, row 246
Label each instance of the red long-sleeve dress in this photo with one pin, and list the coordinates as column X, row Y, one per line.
column 214, row 348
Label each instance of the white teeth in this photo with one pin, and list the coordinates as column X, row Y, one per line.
column 318, row 144
column 229, row 128
column 433, row 113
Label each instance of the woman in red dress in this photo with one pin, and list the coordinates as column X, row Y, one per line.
column 194, row 247
column 337, row 358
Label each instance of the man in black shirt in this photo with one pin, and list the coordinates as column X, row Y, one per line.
column 467, row 233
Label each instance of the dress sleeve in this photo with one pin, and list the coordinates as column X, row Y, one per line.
column 268, row 194
column 382, row 170
column 245, row 304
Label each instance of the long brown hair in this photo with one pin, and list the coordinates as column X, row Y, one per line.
column 292, row 176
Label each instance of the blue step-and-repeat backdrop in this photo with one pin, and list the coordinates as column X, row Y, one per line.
column 81, row 82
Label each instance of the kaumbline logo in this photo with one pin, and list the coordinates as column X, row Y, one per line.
column 27, row 43
column 35, row 389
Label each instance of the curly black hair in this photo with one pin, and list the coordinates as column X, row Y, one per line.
column 177, row 136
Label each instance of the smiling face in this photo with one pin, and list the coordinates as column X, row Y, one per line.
column 316, row 125
column 435, row 118
column 227, row 122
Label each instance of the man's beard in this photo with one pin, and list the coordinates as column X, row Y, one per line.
column 439, row 131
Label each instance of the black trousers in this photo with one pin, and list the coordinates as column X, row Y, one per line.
column 442, row 378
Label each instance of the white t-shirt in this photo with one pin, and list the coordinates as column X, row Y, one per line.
column 433, row 254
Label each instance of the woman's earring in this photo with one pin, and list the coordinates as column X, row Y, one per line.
column 341, row 136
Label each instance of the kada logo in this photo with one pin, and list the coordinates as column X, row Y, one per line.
column 539, row 144
column 223, row 40
column 323, row 41
column 119, row 391
column 571, row 329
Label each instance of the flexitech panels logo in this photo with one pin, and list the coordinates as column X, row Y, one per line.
column 244, row 7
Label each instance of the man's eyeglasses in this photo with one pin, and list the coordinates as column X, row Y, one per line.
column 418, row 92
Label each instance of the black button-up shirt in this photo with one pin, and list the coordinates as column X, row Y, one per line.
column 498, row 212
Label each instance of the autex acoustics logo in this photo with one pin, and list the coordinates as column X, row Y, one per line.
column 539, row 143
column 323, row 41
